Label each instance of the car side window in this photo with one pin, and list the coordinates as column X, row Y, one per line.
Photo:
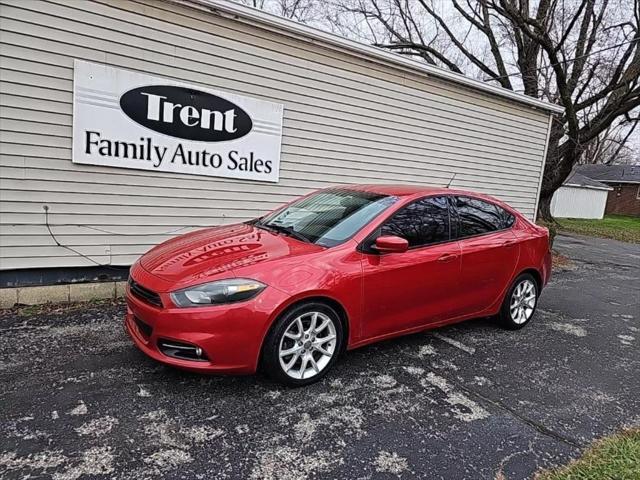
column 476, row 217
column 508, row 219
column 422, row 222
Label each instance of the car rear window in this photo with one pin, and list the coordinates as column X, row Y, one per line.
column 476, row 217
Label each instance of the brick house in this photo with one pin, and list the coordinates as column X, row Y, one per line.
column 624, row 199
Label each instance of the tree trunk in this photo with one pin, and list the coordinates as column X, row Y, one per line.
column 561, row 159
column 550, row 174
column 544, row 208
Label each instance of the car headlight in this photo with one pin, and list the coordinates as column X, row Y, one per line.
column 215, row 293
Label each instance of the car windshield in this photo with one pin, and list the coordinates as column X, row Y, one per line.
column 328, row 217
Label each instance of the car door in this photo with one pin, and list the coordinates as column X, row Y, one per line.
column 489, row 252
column 405, row 290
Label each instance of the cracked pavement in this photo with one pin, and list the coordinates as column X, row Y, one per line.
column 470, row 401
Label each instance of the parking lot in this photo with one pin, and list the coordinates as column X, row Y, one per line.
column 470, row 401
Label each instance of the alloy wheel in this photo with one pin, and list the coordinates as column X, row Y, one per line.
column 307, row 345
column 523, row 301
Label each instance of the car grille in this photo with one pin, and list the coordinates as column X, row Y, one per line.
column 143, row 328
column 144, row 294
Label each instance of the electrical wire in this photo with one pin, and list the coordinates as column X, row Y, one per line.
column 80, row 254
column 169, row 232
column 569, row 60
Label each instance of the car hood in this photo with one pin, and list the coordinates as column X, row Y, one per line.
column 198, row 256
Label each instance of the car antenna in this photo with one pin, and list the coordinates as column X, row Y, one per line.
column 451, row 180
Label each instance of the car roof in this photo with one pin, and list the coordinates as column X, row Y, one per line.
column 411, row 190
column 398, row 190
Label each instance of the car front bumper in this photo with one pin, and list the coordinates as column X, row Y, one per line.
column 230, row 336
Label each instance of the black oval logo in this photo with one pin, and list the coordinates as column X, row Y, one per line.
column 186, row 113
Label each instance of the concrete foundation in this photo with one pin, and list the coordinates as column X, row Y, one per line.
column 74, row 292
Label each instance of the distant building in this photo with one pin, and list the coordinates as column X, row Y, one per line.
column 580, row 197
column 624, row 199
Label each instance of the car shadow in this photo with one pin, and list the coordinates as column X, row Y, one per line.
column 351, row 363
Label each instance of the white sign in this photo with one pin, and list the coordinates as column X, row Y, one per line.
column 132, row 120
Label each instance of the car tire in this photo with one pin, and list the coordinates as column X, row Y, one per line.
column 520, row 303
column 298, row 356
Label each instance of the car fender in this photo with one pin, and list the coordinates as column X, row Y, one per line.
column 310, row 295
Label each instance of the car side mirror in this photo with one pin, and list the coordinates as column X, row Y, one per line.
column 391, row 244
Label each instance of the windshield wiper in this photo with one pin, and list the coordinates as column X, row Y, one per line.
column 287, row 231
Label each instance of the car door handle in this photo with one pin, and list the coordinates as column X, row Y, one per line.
column 506, row 243
column 447, row 257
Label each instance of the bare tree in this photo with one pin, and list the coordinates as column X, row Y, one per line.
column 613, row 146
column 581, row 54
column 303, row 11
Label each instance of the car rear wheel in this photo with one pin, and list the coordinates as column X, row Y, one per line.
column 520, row 302
column 303, row 344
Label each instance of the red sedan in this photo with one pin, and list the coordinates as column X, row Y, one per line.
column 336, row 269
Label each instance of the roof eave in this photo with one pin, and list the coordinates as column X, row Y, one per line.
column 633, row 182
column 575, row 185
column 259, row 16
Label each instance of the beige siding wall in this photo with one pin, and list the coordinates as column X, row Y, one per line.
column 347, row 119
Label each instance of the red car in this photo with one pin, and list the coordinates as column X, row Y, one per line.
column 336, row 269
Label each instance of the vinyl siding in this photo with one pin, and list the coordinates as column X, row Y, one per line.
column 347, row 119
column 579, row 202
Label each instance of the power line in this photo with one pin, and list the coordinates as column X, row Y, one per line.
column 570, row 60
column 86, row 257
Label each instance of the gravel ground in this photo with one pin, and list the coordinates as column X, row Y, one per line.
column 470, row 401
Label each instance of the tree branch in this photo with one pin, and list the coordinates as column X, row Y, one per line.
column 607, row 115
column 493, row 44
column 572, row 23
column 624, row 140
column 475, row 60
column 541, row 36
column 420, row 48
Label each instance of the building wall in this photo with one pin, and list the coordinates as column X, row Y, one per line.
column 624, row 199
column 578, row 202
column 347, row 119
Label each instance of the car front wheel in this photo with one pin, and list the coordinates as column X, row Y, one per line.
column 303, row 344
column 520, row 302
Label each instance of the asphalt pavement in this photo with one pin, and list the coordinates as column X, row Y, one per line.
column 471, row 401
